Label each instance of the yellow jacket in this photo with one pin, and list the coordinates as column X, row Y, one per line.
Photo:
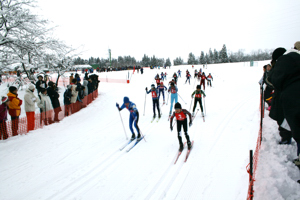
column 15, row 105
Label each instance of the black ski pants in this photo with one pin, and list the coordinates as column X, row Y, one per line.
column 179, row 125
column 200, row 103
column 155, row 103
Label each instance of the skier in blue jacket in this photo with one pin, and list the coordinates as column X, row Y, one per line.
column 161, row 88
column 134, row 116
column 174, row 96
column 155, row 99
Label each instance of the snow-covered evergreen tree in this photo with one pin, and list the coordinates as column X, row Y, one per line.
column 223, row 55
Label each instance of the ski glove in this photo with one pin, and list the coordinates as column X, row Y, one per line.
column 190, row 124
column 117, row 105
column 146, row 89
column 171, row 128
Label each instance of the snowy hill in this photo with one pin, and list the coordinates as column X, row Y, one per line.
column 79, row 158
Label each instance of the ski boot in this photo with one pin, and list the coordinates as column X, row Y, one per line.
column 159, row 115
column 132, row 137
column 193, row 114
column 154, row 116
column 139, row 137
column 180, row 148
column 189, row 145
column 202, row 114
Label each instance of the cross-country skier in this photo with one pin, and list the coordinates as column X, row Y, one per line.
column 162, row 76
column 198, row 98
column 174, row 96
column 155, row 99
column 179, row 73
column 188, row 77
column 161, row 88
column 202, row 81
column 134, row 116
column 157, row 79
column 209, row 79
column 196, row 73
column 175, row 77
column 166, row 75
column 181, row 117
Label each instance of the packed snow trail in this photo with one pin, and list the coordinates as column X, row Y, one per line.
column 79, row 158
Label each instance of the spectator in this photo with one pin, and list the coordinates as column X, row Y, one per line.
column 85, row 85
column 46, row 107
column 74, row 91
column 3, row 117
column 71, row 77
column 269, row 87
column 67, row 99
column 285, row 77
column 54, row 96
column 30, row 99
column 14, row 109
column 90, row 86
column 40, row 84
column 276, row 111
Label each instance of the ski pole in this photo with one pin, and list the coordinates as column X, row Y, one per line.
column 191, row 104
column 123, row 125
column 204, row 106
column 181, row 98
column 145, row 103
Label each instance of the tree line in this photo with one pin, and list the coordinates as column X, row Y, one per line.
column 211, row 57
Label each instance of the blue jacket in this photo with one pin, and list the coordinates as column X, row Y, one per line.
column 161, row 88
column 132, row 107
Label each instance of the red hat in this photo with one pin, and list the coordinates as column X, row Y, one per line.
column 4, row 99
column 161, row 82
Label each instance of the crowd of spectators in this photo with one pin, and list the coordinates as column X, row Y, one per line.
column 282, row 94
column 47, row 100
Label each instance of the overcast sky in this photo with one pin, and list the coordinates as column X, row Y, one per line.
column 173, row 28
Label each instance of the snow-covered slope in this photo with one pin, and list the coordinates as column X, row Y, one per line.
column 79, row 158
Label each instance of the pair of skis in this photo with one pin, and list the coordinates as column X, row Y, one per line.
column 187, row 153
column 130, row 141
column 157, row 118
column 196, row 114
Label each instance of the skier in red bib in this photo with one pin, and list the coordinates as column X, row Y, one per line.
column 181, row 117
column 202, row 81
column 209, row 79
column 155, row 99
column 198, row 98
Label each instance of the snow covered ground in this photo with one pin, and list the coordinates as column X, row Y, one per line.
column 79, row 157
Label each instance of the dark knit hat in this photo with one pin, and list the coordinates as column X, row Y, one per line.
column 12, row 88
column 277, row 53
column 198, row 87
column 126, row 100
column 177, row 105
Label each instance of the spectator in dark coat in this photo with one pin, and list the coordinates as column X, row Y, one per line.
column 54, row 96
column 3, row 117
column 67, row 99
column 276, row 111
column 285, row 78
column 90, row 86
column 40, row 84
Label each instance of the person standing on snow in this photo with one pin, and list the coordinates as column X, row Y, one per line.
column 202, row 81
column 179, row 73
column 134, row 116
column 155, row 99
column 181, row 117
column 198, row 98
column 175, row 77
column 174, row 96
column 209, row 79
column 188, row 77
column 161, row 88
